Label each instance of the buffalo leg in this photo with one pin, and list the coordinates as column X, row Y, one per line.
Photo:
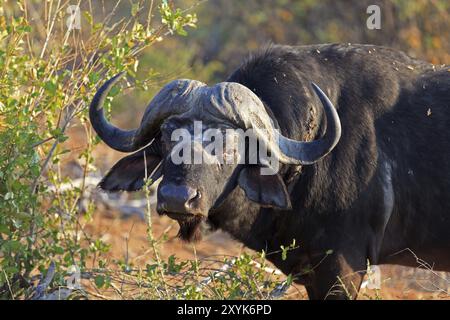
column 338, row 276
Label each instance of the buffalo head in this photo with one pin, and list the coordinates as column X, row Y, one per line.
column 174, row 142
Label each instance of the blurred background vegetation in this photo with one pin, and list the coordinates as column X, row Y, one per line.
column 48, row 77
column 228, row 31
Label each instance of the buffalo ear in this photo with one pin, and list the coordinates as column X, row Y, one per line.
column 128, row 173
column 267, row 190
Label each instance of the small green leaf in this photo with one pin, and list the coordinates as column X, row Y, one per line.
column 289, row 280
column 51, row 87
column 99, row 281
column 134, row 9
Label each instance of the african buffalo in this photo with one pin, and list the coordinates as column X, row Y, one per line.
column 362, row 134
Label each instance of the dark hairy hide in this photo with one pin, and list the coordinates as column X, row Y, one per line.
column 384, row 187
column 381, row 194
column 190, row 229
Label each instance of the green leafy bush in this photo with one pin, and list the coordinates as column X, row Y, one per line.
column 48, row 75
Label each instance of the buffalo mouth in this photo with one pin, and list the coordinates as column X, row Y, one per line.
column 190, row 230
column 179, row 216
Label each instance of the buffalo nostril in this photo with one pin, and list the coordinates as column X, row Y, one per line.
column 175, row 198
column 161, row 207
column 194, row 199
